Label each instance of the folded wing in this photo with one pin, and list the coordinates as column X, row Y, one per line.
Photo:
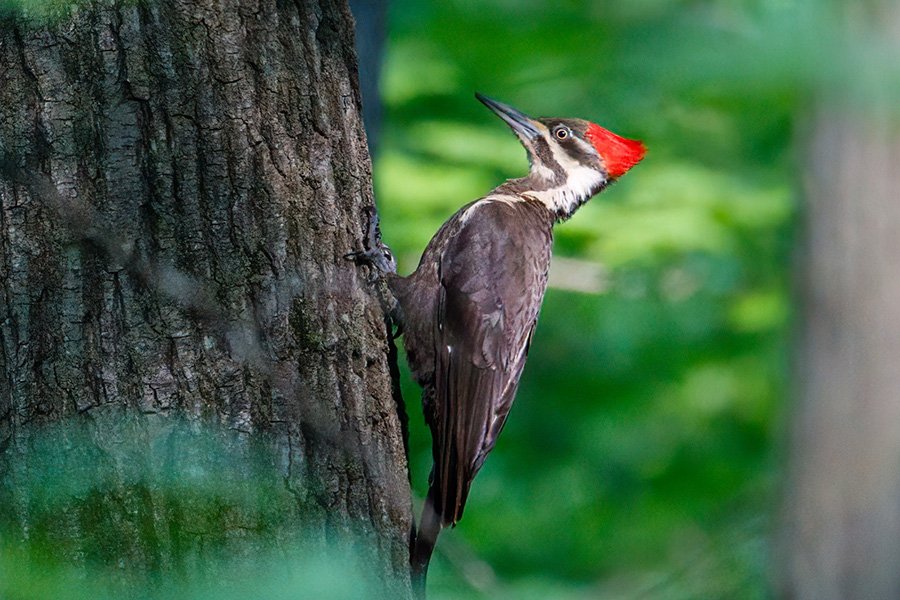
column 492, row 284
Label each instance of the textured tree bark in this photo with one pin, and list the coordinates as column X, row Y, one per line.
column 842, row 533
column 179, row 181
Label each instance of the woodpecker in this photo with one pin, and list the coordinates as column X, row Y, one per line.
column 469, row 310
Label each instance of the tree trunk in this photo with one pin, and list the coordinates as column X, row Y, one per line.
column 842, row 534
column 190, row 370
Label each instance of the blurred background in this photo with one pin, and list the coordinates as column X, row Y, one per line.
column 710, row 408
column 645, row 455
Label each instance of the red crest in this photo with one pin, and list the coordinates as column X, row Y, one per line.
column 619, row 154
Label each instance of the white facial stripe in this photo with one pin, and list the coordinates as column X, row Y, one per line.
column 585, row 147
column 580, row 184
column 542, row 171
column 537, row 168
column 564, row 199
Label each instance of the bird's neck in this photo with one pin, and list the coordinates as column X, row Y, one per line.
column 562, row 193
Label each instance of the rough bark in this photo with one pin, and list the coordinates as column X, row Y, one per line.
column 842, row 532
column 179, row 182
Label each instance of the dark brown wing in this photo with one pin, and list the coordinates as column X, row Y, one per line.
column 492, row 280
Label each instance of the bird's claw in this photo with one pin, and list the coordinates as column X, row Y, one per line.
column 376, row 254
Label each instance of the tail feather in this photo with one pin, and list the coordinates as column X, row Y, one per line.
column 423, row 546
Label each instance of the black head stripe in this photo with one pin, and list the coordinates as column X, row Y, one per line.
column 542, row 153
column 573, row 145
column 578, row 152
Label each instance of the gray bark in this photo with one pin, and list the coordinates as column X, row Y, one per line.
column 179, row 182
column 842, row 530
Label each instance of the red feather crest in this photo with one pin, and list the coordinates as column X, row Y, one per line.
column 619, row 154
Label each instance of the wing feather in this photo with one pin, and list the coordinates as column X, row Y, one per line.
column 491, row 287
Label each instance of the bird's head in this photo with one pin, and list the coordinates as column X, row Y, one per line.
column 571, row 159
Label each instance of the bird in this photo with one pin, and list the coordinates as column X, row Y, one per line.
column 469, row 310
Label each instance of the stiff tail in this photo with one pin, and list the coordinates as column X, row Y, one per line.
column 423, row 546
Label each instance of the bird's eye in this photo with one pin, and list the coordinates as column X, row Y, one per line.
column 561, row 133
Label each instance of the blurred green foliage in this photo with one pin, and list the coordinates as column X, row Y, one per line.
column 641, row 455
column 163, row 509
column 38, row 12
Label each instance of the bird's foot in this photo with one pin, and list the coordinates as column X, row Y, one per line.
column 376, row 252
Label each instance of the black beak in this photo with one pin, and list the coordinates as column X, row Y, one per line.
column 521, row 123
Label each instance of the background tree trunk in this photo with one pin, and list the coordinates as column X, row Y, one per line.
column 179, row 182
column 842, row 534
column 371, row 35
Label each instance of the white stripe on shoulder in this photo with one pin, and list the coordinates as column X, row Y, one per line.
column 504, row 198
